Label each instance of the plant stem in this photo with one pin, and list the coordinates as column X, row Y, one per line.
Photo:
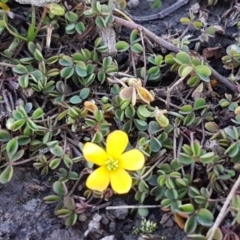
column 221, row 214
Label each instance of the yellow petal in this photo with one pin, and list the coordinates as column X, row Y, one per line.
column 145, row 95
column 99, row 179
column 93, row 153
column 134, row 97
column 90, row 106
column 117, row 142
column 121, row 181
column 132, row 160
column 4, row 6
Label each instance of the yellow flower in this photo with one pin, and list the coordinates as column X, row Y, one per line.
column 113, row 163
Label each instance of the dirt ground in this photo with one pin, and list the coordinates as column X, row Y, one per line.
column 24, row 215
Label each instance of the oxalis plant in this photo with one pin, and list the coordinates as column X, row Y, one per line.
column 100, row 130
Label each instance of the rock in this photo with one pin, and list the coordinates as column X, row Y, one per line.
column 94, row 231
column 133, row 4
column 120, row 213
column 37, row 3
column 108, row 238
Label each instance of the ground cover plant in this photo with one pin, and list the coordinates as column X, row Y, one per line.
column 84, row 103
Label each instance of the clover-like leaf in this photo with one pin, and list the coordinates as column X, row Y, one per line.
column 122, row 46
column 185, row 159
column 12, row 147
column 6, row 174
column 186, row 208
column 4, row 135
column 191, row 224
column 205, row 217
column 207, row 157
column 60, row 188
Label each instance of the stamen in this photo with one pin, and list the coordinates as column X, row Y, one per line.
column 111, row 164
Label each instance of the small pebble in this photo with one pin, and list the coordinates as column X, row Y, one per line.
column 133, row 4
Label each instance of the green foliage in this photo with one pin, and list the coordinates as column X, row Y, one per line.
column 58, row 97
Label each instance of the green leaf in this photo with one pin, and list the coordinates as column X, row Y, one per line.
column 186, row 109
column 196, row 148
column 56, row 9
column 217, row 234
column 140, row 124
column 153, row 127
column 84, row 93
column 184, row 70
column 207, row 158
column 16, row 125
column 6, row 175
column 69, row 203
column 211, row 127
column 137, row 48
column 200, row 103
column 97, row 138
column 63, row 213
column 205, row 217
column 38, row 113
column 185, row 20
column 100, row 22
column 75, row 99
column 60, row 188
column 185, row 159
column 67, row 72
column 191, row 224
column 32, row 125
column 233, row 150
column 183, row 58
column 155, row 144
column 4, row 135
column 56, row 150
column 134, row 36
column 52, row 198
column 20, row 69
column 12, row 147
column 71, row 16
column 23, row 80
column 38, row 55
column 19, row 154
column 143, row 212
column 54, row 163
column 143, row 111
column 71, row 220
column 203, row 72
column 231, row 133
column 122, row 46
column 187, row 208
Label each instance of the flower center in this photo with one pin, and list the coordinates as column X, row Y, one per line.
column 111, row 164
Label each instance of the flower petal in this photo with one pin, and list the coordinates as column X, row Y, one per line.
column 145, row 95
column 117, row 142
column 121, row 181
column 99, row 179
column 126, row 93
column 132, row 160
column 93, row 153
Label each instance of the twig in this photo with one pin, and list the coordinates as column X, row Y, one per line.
column 83, row 172
column 45, row 9
column 132, row 207
column 7, row 64
column 221, row 214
